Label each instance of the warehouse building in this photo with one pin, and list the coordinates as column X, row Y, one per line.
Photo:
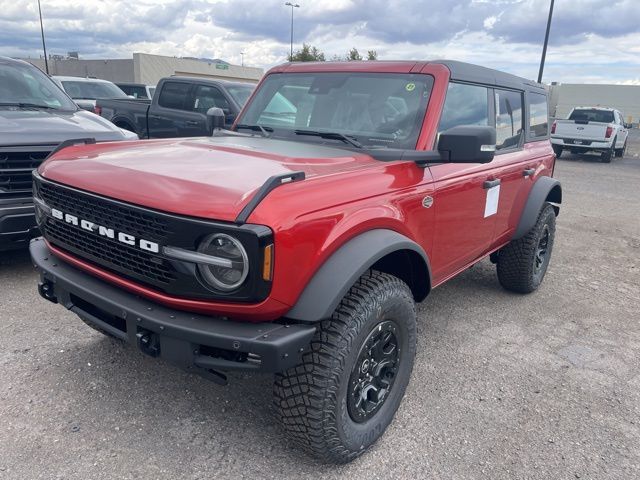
column 148, row 69
column 566, row 96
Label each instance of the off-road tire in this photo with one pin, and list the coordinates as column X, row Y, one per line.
column 557, row 150
column 607, row 155
column 311, row 398
column 516, row 266
column 621, row 151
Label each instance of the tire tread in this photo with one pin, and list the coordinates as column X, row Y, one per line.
column 304, row 396
column 515, row 261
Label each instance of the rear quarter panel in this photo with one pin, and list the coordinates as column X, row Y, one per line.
column 539, row 156
column 127, row 112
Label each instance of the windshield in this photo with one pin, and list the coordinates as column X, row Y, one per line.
column 375, row 109
column 592, row 115
column 240, row 93
column 83, row 90
column 25, row 84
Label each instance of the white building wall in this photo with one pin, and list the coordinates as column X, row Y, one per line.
column 625, row 98
column 149, row 69
column 115, row 70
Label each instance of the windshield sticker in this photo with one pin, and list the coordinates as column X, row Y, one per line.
column 410, row 87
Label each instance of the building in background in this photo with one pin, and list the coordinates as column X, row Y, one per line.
column 147, row 69
column 566, row 96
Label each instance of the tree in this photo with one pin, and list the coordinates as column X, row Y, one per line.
column 307, row 54
column 353, row 55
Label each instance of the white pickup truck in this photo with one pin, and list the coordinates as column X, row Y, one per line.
column 591, row 129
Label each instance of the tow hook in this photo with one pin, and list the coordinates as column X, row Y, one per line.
column 148, row 342
column 46, row 291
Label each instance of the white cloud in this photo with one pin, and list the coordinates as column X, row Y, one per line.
column 489, row 22
column 504, row 34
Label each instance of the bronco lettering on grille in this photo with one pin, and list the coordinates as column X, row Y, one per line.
column 103, row 231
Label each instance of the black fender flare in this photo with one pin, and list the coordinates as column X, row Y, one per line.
column 341, row 270
column 126, row 120
column 546, row 189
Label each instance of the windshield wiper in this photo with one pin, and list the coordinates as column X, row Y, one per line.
column 26, row 105
column 256, row 128
column 330, row 135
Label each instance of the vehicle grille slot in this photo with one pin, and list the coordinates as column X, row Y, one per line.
column 115, row 256
column 16, row 166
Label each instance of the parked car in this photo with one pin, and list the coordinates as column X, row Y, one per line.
column 137, row 90
column 591, row 129
column 36, row 116
column 299, row 243
column 85, row 91
column 179, row 109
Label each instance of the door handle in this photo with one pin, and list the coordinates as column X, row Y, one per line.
column 491, row 183
column 528, row 172
column 192, row 122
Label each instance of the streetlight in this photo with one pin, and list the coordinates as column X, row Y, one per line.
column 546, row 41
column 292, row 5
column 46, row 64
column 242, row 59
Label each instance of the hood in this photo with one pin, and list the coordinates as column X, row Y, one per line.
column 35, row 126
column 206, row 177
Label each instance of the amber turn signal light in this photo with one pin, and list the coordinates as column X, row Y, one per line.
column 267, row 266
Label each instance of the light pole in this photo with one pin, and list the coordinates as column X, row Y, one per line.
column 546, row 41
column 242, row 59
column 46, row 63
column 292, row 5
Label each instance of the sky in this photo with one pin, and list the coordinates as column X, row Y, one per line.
column 591, row 40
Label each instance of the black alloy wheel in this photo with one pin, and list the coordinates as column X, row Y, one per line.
column 374, row 371
column 542, row 250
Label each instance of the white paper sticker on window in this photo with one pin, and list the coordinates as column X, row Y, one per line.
column 491, row 205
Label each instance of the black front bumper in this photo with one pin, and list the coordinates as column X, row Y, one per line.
column 17, row 224
column 197, row 343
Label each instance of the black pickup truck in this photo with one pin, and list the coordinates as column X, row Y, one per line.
column 178, row 108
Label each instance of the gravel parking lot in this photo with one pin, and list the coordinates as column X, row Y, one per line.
column 505, row 386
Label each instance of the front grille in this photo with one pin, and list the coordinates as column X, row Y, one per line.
column 108, row 252
column 16, row 166
column 101, row 250
column 95, row 209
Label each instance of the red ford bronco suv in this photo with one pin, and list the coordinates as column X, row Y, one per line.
column 299, row 242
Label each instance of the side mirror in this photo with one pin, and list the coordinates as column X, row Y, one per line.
column 215, row 119
column 468, row 144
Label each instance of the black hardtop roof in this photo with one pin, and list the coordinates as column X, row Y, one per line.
column 467, row 72
column 211, row 81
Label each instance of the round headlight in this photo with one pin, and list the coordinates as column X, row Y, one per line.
column 229, row 264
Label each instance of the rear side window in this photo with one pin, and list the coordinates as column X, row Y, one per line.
column 538, row 116
column 138, row 92
column 509, row 127
column 464, row 105
column 174, row 95
column 207, row 97
column 618, row 118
